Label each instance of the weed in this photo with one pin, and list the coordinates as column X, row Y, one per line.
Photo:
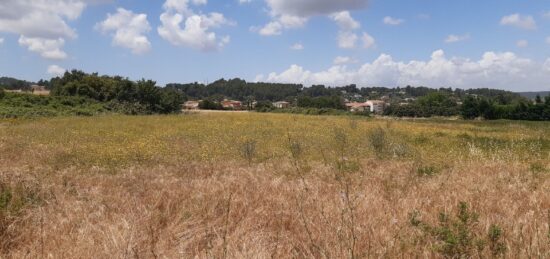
column 496, row 245
column 427, row 171
column 456, row 237
column 378, row 141
column 248, row 151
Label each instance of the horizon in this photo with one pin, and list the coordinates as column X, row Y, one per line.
column 494, row 44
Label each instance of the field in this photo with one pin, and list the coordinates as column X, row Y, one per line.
column 249, row 185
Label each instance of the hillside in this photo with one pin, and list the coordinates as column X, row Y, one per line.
column 533, row 95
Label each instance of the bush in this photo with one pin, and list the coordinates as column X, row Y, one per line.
column 15, row 105
column 459, row 236
column 264, row 106
column 378, row 141
column 210, row 105
column 141, row 97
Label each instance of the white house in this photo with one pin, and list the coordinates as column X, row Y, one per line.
column 281, row 105
column 376, row 106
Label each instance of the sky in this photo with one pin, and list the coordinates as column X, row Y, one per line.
column 502, row 44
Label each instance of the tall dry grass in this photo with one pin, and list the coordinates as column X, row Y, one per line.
column 313, row 194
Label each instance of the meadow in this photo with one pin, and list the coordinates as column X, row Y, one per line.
column 252, row 185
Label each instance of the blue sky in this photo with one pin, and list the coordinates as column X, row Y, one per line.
column 494, row 43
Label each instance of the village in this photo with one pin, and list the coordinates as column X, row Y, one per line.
column 369, row 106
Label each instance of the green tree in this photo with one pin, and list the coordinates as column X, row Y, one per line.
column 538, row 100
column 469, row 109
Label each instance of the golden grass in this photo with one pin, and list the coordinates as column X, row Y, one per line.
column 180, row 186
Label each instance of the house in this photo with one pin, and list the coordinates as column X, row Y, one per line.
column 281, row 105
column 39, row 90
column 191, row 105
column 230, row 104
column 376, row 106
column 357, row 107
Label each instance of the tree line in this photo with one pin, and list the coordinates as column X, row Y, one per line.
column 118, row 93
column 122, row 95
column 489, row 109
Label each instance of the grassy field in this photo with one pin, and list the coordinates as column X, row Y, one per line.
column 249, row 185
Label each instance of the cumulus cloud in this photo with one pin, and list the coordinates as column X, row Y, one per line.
column 297, row 46
column 196, row 32
column 388, row 20
column 43, row 21
column 47, row 48
column 301, row 10
column 276, row 26
column 347, row 38
column 345, row 21
column 368, row 41
column 128, row 29
column 519, row 21
column 55, row 70
column 453, row 38
column 522, row 43
column 504, row 70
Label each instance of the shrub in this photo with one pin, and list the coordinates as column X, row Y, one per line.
column 378, row 140
column 264, row 106
column 496, row 245
column 210, row 105
column 458, row 236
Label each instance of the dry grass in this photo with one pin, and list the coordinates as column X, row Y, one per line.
column 182, row 186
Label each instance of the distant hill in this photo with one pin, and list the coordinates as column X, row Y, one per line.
column 532, row 95
column 14, row 84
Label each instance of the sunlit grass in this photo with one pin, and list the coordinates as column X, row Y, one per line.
column 268, row 185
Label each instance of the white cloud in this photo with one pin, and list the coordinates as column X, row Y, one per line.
column 388, row 20
column 368, row 41
column 42, row 20
column 282, row 22
column 55, row 70
column 347, row 39
column 47, row 48
column 340, row 60
column 271, row 29
column 244, row 1
column 345, row 21
column 196, row 32
column 503, row 70
column 302, row 10
column 546, row 15
column 456, row 38
column 548, row 39
column 1, row 41
column 522, row 43
column 519, row 21
column 297, row 46
column 129, row 30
